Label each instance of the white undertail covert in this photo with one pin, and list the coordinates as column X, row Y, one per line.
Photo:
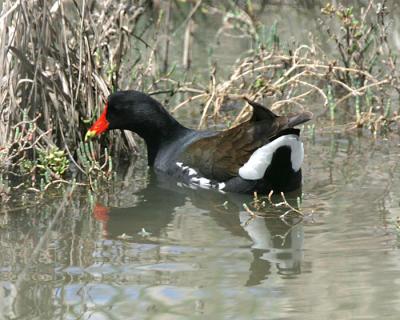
column 259, row 161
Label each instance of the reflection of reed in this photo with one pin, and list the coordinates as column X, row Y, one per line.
column 29, row 260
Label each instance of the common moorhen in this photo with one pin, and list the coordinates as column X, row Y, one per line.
column 261, row 154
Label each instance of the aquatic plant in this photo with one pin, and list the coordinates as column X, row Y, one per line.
column 261, row 203
column 56, row 69
column 360, row 74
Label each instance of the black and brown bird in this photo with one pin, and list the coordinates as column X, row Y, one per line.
column 262, row 154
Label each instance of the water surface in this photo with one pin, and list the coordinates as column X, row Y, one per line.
column 151, row 249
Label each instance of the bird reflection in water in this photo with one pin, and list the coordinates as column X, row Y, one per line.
column 276, row 244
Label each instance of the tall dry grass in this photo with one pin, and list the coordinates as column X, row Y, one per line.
column 59, row 61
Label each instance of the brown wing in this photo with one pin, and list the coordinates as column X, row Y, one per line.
column 220, row 156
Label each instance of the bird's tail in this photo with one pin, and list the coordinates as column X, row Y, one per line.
column 295, row 119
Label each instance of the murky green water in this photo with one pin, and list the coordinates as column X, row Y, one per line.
column 148, row 248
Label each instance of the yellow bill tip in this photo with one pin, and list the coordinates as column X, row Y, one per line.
column 90, row 134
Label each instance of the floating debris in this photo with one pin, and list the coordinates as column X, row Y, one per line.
column 144, row 233
column 124, row 236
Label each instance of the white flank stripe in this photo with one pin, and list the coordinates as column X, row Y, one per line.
column 198, row 180
column 203, row 182
column 259, row 161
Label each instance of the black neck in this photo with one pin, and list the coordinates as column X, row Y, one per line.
column 159, row 134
